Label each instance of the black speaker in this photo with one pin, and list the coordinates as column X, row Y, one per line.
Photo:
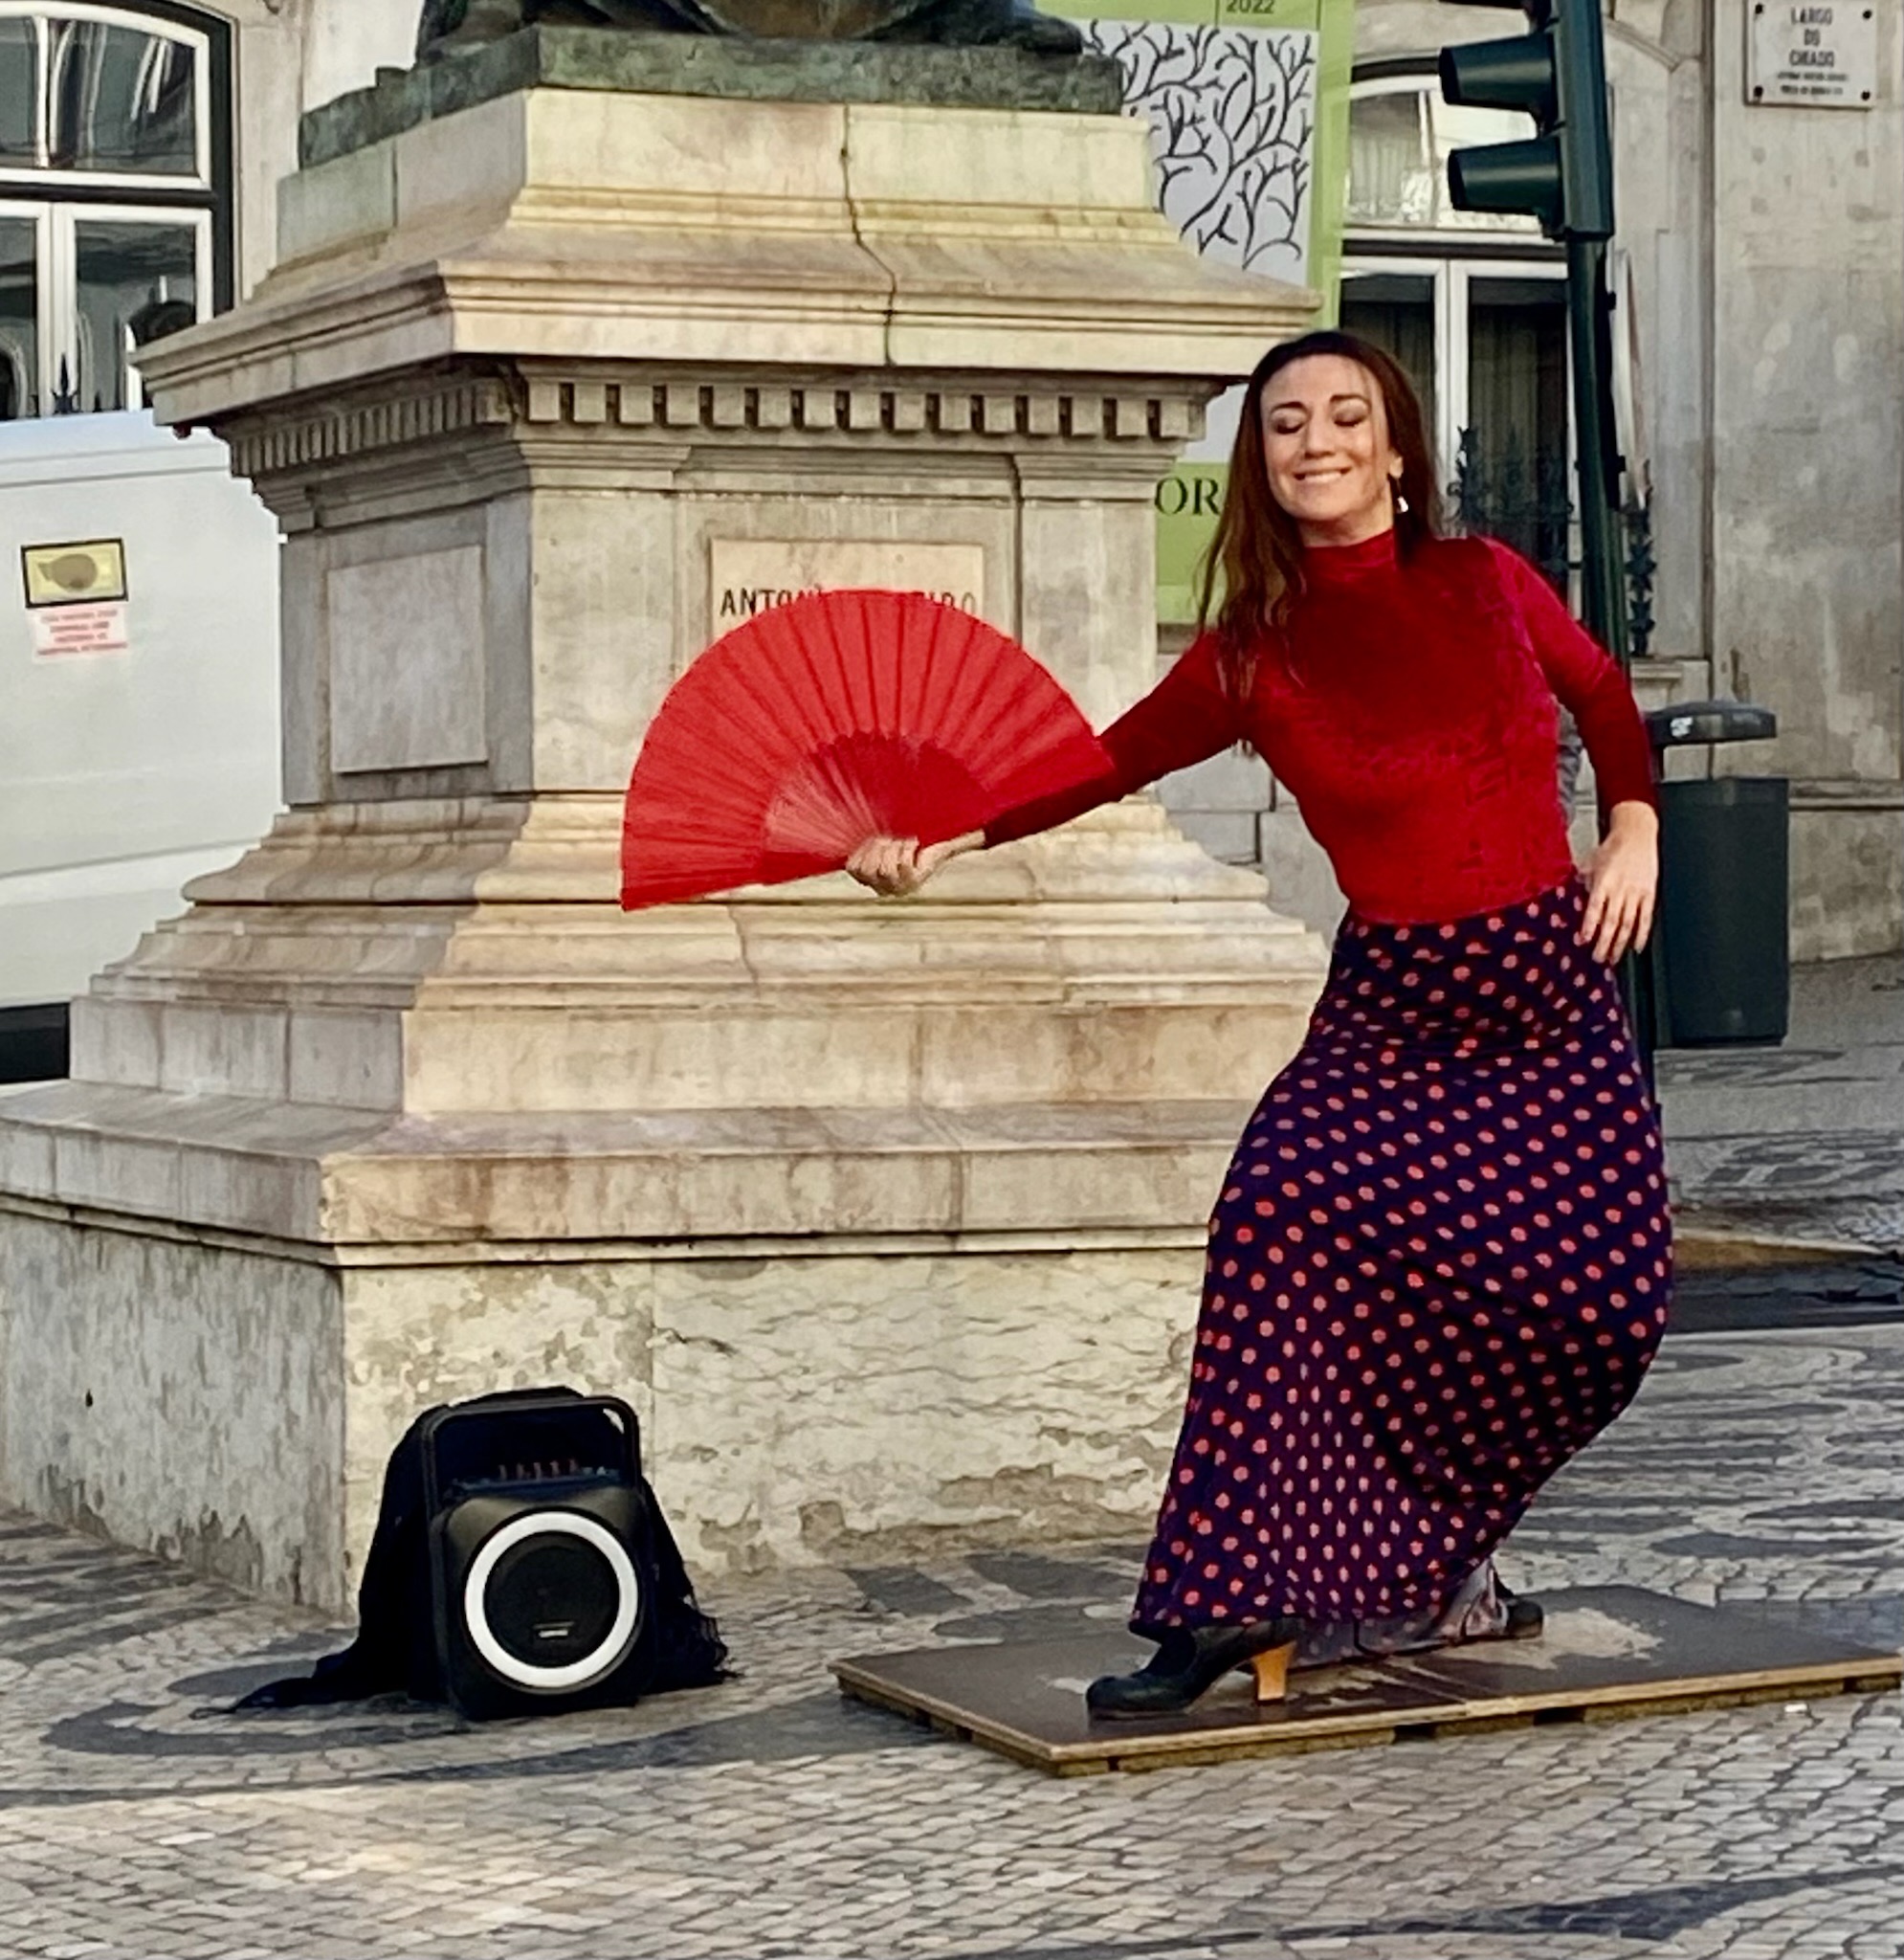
column 520, row 1566
column 541, row 1555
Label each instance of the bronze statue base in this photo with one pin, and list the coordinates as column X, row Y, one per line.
column 452, row 27
column 594, row 59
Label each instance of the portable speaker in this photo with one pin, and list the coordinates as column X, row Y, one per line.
column 541, row 1555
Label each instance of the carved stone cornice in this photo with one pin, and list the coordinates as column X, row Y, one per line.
column 332, row 431
column 534, row 402
column 862, row 407
column 778, row 240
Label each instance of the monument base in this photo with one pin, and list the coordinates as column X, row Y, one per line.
column 1607, row 1652
column 934, row 1367
column 887, row 1218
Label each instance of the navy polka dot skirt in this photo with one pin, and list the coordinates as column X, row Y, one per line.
column 1440, row 1266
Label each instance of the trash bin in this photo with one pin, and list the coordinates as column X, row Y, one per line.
column 1721, row 947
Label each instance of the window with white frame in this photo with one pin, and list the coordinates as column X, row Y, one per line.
column 1474, row 306
column 115, row 194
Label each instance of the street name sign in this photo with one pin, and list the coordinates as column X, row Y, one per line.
column 1811, row 53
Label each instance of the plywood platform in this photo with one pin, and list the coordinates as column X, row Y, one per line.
column 1607, row 1652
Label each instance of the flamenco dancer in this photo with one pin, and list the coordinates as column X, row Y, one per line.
column 1440, row 1260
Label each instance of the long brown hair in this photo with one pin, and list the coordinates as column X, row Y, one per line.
column 1252, row 569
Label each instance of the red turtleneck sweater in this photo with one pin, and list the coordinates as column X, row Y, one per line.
column 1410, row 708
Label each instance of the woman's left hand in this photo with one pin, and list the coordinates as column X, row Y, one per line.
column 1622, row 883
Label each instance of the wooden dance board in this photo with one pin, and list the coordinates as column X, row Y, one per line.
column 1607, row 1652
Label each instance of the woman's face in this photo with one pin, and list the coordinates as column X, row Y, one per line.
column 1325, row 438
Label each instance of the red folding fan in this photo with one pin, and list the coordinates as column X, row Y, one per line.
column 838, row 716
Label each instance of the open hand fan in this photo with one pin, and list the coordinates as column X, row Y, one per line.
column 834, row 717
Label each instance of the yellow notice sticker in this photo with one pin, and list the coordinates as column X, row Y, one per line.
column 84, row 574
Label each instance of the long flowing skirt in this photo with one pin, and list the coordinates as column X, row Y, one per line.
column 1440, row 1265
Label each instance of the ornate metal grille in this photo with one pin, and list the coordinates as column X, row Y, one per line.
column 1525, row 502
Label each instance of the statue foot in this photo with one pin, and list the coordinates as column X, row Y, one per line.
column 1043, row 33
column 457, row 27
column 995, row 24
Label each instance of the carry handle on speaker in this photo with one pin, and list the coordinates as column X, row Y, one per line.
column 440, row 1419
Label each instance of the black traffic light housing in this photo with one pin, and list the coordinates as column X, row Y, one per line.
column 1557, row 75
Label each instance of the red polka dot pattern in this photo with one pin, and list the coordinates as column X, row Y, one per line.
column 1440, row 1265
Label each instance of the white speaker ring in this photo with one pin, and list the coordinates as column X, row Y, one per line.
column 615, row 1643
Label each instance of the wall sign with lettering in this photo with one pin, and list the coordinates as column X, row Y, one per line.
column 1812, row 54
column 59, row 630
column 750, row 575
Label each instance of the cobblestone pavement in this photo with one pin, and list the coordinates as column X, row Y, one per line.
column 1804, row 1141
column 767, row 1818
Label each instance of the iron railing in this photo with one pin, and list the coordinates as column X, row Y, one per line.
column 1525, row 502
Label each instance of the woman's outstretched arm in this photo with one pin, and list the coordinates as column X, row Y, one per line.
column 1186, row 718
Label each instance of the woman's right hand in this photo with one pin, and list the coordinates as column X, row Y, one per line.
column 896, row 867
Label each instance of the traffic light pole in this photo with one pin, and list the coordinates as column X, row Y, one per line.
column 1563, row 176
column 1603, row 579
column 1603, row 567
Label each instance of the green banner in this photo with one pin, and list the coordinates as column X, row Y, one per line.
column 1187, row 501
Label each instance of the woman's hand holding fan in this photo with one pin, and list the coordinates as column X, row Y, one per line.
column 873, row 731
column 896, row 867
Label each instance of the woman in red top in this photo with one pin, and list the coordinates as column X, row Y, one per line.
column 1440, row 1260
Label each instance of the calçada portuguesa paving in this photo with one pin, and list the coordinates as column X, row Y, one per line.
column 767, row 1817
column 1763, row 1463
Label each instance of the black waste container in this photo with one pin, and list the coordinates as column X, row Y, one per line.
column 1721, row 951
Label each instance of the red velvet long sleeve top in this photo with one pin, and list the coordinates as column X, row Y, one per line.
column 1410, row 708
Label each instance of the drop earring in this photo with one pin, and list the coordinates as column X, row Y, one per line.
column 1400, row 501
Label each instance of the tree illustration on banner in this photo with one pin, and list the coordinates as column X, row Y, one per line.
column 1232, row 121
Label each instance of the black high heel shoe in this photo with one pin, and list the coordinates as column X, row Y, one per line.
column 1525, row 1618
column 1189, row 1661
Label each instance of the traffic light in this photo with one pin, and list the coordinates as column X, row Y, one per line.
column 1557, row 75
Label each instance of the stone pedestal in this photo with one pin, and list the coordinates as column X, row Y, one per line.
column 885, row 1215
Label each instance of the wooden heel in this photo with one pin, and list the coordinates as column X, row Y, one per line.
column 1270, row 1667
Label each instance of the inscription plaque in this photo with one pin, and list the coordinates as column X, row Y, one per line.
column 748, row 576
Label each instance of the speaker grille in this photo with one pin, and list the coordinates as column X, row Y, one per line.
column 551, row 1601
